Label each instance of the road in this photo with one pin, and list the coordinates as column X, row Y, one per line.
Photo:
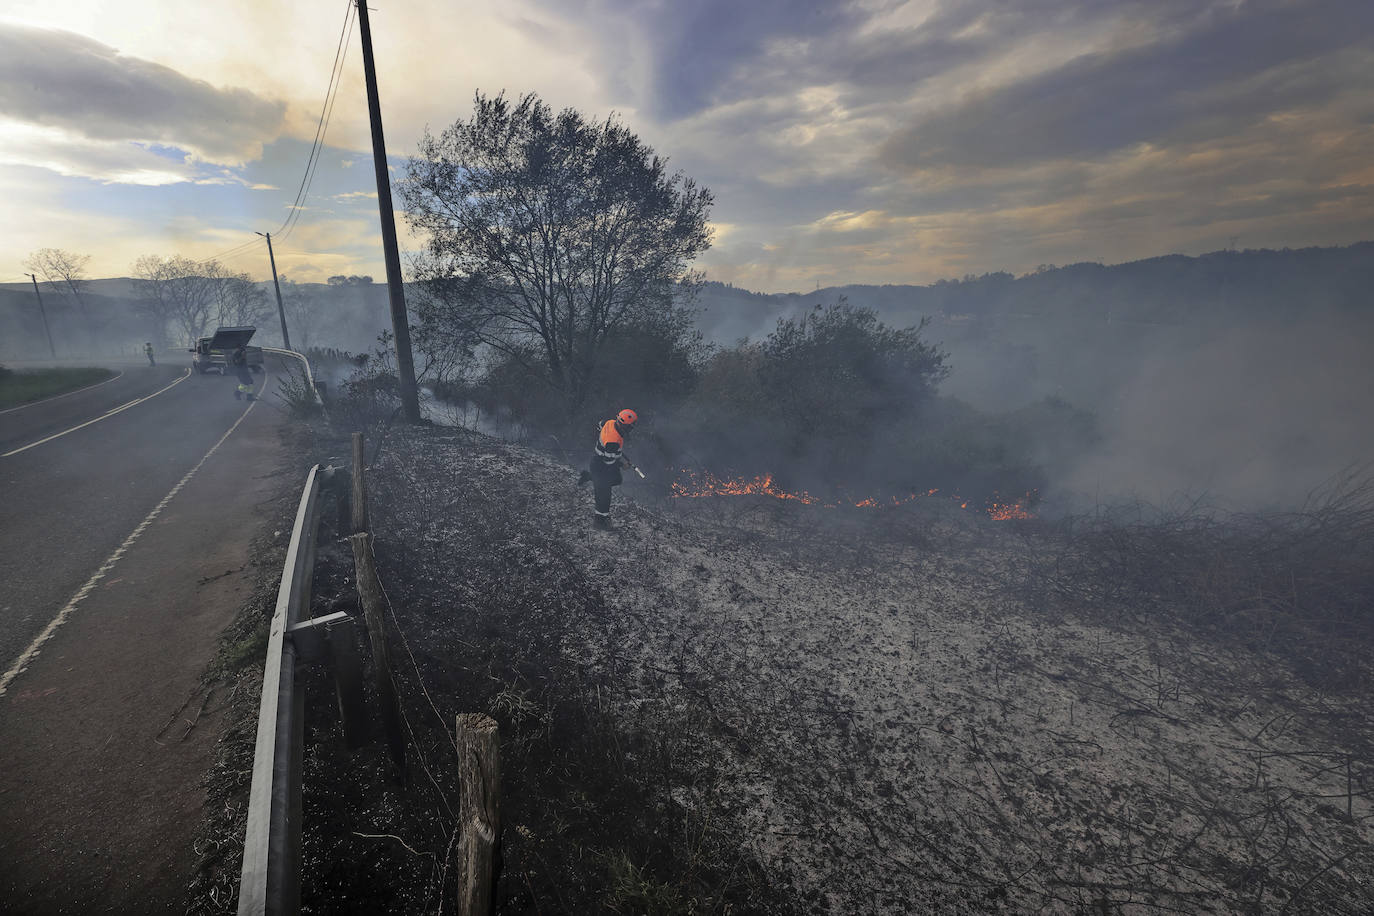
column 127, row 513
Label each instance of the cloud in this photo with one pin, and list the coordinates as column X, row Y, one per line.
column 58, row 79
column 696, row 50
column 1234, row 69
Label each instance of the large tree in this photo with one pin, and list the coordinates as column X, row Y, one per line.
column 545, row 233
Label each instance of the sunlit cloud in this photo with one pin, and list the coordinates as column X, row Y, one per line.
column 89, row 90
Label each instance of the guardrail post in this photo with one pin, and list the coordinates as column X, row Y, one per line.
column 371, row 597
column 359, row 486
column 479, row 813
column 347, row 666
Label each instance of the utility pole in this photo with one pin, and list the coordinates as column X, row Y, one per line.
column 400, row 322
column 44, row 314
column 281, row 312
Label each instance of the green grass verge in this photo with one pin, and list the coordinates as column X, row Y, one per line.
column 34, row 385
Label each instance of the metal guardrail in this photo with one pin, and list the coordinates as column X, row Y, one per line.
column 309, row 376
column 270, row 880
column 300, row 356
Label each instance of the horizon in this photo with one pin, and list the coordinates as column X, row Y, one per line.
column 20, row 285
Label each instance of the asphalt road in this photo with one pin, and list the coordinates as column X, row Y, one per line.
column 71, row 501
column 126, row 515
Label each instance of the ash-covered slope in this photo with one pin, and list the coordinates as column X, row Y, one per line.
column 775, row 706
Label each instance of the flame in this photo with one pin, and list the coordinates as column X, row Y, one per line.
column 694, row 485
column 1001, row 512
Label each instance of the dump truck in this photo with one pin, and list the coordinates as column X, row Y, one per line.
column 216, row 354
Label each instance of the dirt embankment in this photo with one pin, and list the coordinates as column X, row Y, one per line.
column 750, row 706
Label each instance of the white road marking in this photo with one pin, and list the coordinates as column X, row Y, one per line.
column 31, row 652
column 65, row 394
column 106, row 415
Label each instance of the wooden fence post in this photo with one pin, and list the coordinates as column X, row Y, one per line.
column 370, row 595
column 359, row 486
column 479, row 812
column 347, row 667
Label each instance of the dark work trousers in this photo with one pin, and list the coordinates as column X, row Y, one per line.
column 604, row 476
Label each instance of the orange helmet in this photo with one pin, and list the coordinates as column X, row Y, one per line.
column 627, row 417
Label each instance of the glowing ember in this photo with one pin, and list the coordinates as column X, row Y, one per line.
column 1001, row 512
column 693, row 485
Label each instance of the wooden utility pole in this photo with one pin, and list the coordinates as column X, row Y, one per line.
column 400, row 322
column 281, row 312
column 43, row 314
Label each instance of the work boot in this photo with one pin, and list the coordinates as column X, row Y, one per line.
column 585, row 478
column 601, row 521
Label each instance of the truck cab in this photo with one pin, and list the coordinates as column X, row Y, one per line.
column 216, row 353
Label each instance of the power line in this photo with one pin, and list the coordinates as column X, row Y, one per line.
column 316, row 147
column 326, row 112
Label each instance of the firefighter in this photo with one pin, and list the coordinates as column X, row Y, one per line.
column 148, row 352
column 604, row 469
column 245, row 375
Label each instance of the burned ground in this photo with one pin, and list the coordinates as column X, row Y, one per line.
column 743, row 705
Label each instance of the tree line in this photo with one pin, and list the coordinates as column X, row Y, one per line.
column 176, row 299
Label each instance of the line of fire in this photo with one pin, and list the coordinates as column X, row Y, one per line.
column 698, row 484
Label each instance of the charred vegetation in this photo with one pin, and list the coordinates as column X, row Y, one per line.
column 754, row 705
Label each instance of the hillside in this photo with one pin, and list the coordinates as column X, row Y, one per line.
column 1085, row 331
column 746, row 705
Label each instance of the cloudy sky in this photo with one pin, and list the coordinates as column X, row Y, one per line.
column 874, row 141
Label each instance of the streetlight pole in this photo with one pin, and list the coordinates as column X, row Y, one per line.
column 281, row 312
column 43, row 314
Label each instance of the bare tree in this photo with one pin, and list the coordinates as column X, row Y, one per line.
column 305, row 311
column 241, row 302
column 60, row 269
column 178, row 290
column 64, row 272
column 546, row 233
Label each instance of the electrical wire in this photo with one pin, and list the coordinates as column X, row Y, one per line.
column 326, row 113
column 317, row 146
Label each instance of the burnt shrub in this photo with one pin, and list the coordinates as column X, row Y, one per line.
column 813, row 394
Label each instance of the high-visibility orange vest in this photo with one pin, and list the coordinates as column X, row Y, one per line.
column 609, row 443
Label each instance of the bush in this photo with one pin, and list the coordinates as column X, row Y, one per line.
column 809, row 400
column 295, row 392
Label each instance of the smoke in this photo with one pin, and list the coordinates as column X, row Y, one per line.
column 1239, row 377
column 1255, row 418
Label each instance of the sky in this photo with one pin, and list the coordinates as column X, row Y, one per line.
column 864, row 142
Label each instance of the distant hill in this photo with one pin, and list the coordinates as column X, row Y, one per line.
column 1083, row 330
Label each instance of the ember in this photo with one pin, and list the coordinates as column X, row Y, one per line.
column 694, row 485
